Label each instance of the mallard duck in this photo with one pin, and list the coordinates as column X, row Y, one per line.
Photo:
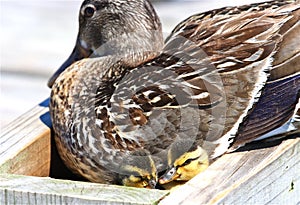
column 137, row 107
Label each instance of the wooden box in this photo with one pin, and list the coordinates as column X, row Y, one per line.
column 257, row 175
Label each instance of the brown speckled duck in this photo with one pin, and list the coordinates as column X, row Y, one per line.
column 136, row 108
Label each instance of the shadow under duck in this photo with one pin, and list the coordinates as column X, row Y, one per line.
column 117, row 113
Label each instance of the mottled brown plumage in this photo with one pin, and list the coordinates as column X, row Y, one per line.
column 134, row 96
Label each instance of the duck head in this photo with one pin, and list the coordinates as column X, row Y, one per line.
column 109, row 27
column 138, row 170
column 185, row 160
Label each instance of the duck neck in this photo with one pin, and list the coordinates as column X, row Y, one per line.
column 135, row 48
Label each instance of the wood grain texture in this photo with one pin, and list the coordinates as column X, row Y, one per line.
column 261, row 176
column 16, row 189
column 25, row 144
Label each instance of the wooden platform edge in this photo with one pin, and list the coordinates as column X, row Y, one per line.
column 18, row 189
column 25, row 143
column 263, row 176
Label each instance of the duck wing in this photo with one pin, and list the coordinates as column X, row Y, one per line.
column 245, row 48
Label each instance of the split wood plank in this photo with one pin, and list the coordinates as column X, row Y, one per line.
column 17, row 189
column 25, row 144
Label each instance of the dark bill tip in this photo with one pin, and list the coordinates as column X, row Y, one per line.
column 152, row 183
column 169, row 176
column 77, row 54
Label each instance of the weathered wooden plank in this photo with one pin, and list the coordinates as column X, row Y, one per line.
column 277, row 183
column 25, row 144
column 258, row 176
column 16, row 189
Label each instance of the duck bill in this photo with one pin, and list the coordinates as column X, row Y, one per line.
column 169, row 176
column 78, row 53
column 152, row 184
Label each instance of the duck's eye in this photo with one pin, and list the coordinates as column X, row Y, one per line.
column 89, row 10
column 187, row 162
